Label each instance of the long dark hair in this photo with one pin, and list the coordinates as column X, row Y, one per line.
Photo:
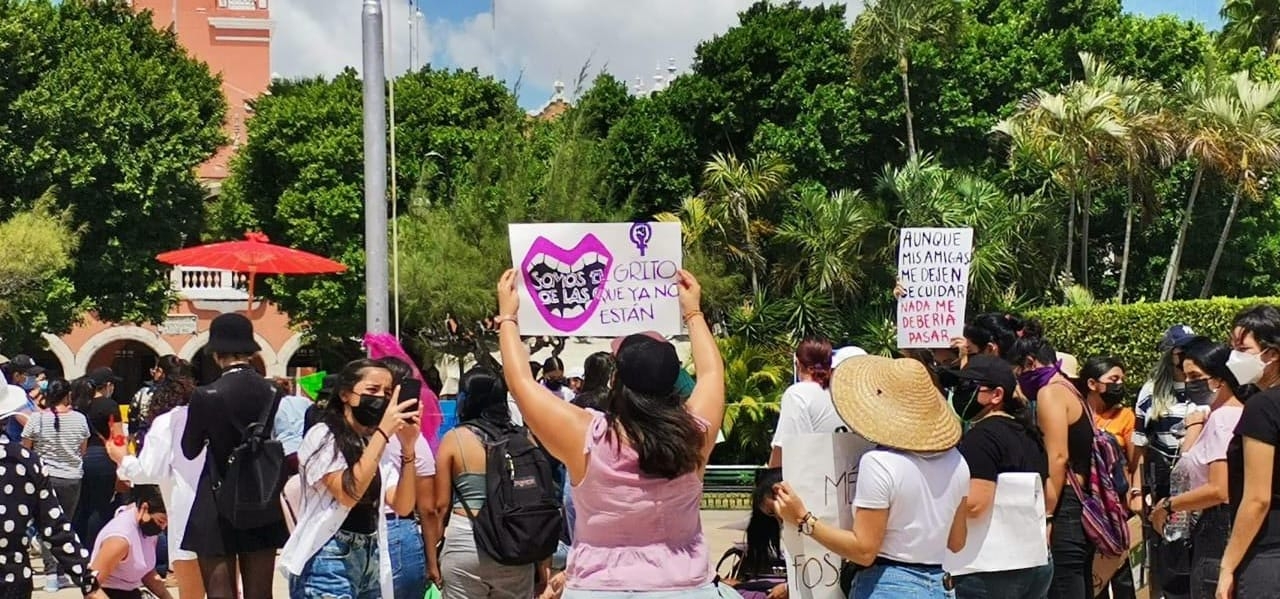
column 56, row 394
column 401, row 371
column 664, row 434
column 174, row 390
column 482, row 395
column 997, row 328
column 1030, row 343
column 597, row 374
column 346, row 441
column 1093, row 369
column 1212, row 359
column 82, row 394
column 764, row 534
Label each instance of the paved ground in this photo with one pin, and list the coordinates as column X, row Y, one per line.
column 713, row 522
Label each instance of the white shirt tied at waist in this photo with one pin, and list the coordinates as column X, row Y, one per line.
column 998, row 540
column 323, row 513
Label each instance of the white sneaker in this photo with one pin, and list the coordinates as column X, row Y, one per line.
column 51, row 583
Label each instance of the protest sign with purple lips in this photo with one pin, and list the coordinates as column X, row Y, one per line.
column 597, row 280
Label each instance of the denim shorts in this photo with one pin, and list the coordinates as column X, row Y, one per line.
column 898, row 581
column 346, row 567
column 710, row 591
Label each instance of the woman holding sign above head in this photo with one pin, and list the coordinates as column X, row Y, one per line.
column 910, row 495
column 637, row 469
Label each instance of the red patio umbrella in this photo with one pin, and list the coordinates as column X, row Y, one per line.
column 254, row 255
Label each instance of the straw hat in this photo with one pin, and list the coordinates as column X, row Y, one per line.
column 894, row 403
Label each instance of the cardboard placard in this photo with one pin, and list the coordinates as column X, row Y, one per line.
column 822, row 468
column 597, row 280
column 933, row 269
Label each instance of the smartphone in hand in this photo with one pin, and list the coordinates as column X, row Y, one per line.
column 411, row 389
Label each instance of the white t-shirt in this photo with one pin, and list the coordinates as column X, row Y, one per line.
column 806, row 408
column 921, row 493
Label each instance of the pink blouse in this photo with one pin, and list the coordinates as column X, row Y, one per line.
column 634, row 532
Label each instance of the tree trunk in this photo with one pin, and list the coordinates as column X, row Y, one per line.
column 1086, row 207
column 1171, row 275
column 1071, row 234
column 903, row 72
column 1128, row 239
column 1222, row 244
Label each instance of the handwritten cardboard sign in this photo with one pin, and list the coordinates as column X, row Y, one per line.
column 933, row 269
column 597, row 280
column 822, row 468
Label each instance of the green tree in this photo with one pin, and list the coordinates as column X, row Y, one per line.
column 754, row 382
column 824, row 242
column 37, row 247
column 891, row 28
column 1251, row 24
column 113, row 113
column 738, row 191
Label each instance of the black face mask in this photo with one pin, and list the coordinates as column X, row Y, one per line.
column 150, row 528
column 1199, row 393
column 554, row 384
column 1113, row 394
column 369, row 412
column 965, row 399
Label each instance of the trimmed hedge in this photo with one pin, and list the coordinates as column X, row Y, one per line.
column 1131, row 332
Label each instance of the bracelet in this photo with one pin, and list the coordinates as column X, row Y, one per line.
column 691, row 315
column 1048, row 519
column 501, row 320
column 385, row 436
column 408, row 459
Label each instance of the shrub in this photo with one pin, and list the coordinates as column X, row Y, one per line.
column 1131, row 332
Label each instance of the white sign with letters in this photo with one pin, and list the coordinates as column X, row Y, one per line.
column 822, row 468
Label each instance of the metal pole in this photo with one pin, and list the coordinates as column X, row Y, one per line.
column 377, row 319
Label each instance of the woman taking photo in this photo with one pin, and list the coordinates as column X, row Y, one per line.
column 1002, row 441
column 650, row 448
column 909, row 506
column 461, row 485
column 160, row 462
column 1068, row 441
column 1199, row 479
column 59, row 436
column 342, row 551
column 1251, row 562
column 806, row 405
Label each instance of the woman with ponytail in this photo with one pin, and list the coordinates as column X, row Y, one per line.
column 58, row 435
column 806, row 405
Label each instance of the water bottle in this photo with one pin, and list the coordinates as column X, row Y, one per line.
column 1178, row 525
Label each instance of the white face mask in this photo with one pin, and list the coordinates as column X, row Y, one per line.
column 1246, row 367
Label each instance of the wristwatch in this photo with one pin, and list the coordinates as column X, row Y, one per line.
column 806, row 524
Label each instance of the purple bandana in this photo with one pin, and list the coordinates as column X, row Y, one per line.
column 1032, row 381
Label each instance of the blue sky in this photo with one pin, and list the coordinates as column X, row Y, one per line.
column 538, row 42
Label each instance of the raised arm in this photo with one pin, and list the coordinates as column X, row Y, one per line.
column 707, row 400
column 152, row 465
column 363, row 471
column 560, row 426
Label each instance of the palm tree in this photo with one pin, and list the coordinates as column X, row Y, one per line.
column 734, row 191
column 1072, row 135
column 1150, row 141
column 1247, row 123
column 888, row 28
column 822, row 241
column 1251, row 23
column 754, row 381
column 1005, row 227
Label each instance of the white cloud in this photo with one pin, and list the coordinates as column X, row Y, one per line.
column 538, row 41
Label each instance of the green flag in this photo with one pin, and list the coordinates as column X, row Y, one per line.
column 311, row 384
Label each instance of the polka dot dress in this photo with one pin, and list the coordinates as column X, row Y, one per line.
column 27, row 499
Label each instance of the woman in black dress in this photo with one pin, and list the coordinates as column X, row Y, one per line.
column 218, row 416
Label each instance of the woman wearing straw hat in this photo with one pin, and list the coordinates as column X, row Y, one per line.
column 910, row 495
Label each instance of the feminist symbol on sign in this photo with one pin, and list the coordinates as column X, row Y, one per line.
column 641, row 233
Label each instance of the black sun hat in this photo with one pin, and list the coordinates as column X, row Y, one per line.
column 232, row 334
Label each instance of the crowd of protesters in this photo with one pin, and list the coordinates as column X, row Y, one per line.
column 992, row 468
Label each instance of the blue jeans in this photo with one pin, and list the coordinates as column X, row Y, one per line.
column 408, row 560
column 1028, row 583
column 899, row 581
column 346, row 566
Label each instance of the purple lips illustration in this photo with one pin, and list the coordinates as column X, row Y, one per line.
column 566, row 284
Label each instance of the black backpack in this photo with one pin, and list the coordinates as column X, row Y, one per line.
column 521, row 520
column 249, row 495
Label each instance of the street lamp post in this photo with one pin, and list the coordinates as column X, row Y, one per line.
column 377, row 318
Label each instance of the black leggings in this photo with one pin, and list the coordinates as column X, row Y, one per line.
column 256, row 572
column 1072, row 551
